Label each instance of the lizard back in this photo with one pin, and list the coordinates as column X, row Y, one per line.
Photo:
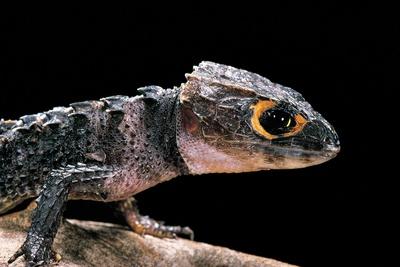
column 36, row 144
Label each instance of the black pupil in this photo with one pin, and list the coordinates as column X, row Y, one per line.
column 277, row 122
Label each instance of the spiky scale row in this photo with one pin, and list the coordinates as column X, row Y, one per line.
column 33, row 145
column 59, row 115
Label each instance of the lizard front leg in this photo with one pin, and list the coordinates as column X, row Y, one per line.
column 145, row 225
column 37, row 248
column 45, row 220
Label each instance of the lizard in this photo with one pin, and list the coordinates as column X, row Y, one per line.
column 221, row 120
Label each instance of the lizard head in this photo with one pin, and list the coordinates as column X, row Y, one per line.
column 232, row 120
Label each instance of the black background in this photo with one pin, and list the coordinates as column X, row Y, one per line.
column 341, row 58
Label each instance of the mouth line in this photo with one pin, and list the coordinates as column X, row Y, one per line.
column 330, row 151
column 326, row 153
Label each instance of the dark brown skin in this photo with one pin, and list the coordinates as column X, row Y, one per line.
column 222, row 120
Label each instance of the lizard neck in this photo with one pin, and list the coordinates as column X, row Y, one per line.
column 160, row 116
column 150, row 155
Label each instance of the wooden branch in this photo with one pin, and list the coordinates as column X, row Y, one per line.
column 86, row 243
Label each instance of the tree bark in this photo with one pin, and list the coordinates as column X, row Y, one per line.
column 86, row 243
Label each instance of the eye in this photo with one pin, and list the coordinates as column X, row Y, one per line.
column 271, row 121
column 277, row 122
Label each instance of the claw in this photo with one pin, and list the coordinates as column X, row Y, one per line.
column 57, row 257
column 35, row 264
column 34, row 253
column 16, row 255
column 189, row 232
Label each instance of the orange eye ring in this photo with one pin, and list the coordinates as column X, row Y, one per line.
column 263, row 105
column 258, row 109
column 300, row 123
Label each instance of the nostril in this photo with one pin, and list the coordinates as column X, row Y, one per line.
column 337, row 142
column 335, row 139
column 333, row 143
column 332, row 140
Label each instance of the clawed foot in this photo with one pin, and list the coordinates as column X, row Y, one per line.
column 36, row 251
column 145, row 225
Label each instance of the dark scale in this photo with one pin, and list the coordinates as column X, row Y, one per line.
column 111, row 149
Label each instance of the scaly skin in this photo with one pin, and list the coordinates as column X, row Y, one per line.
column 222, row 120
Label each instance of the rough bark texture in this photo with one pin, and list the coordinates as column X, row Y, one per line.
column 85, row 243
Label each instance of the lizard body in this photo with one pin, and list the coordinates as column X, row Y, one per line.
column 222, row 119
